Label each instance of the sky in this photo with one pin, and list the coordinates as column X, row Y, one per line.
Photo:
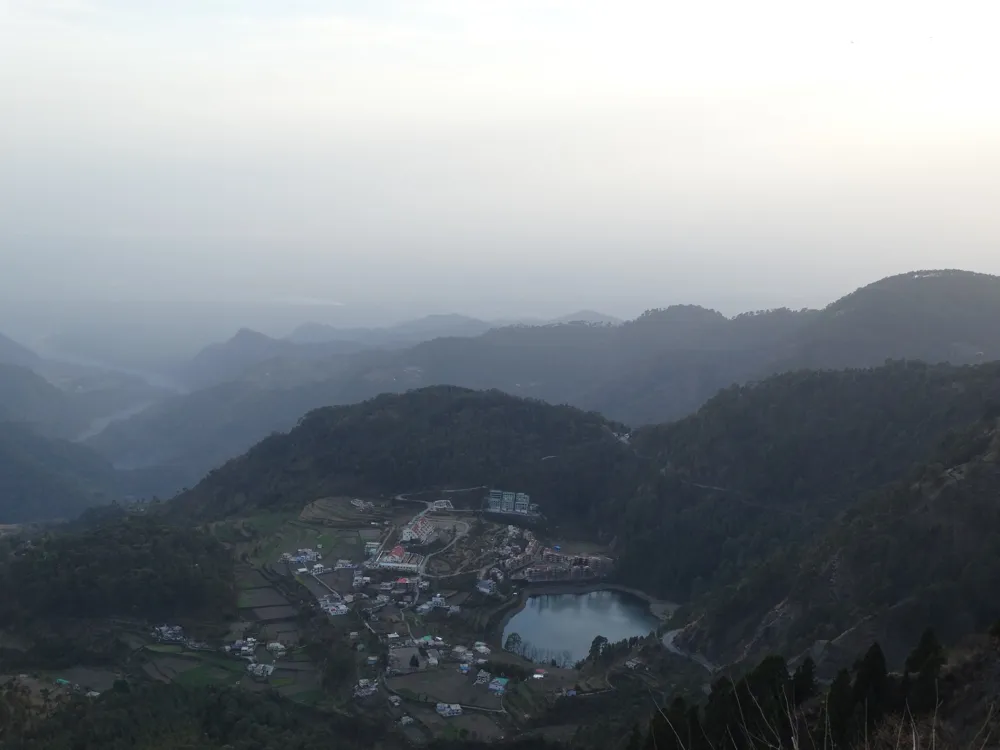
column 369, row 160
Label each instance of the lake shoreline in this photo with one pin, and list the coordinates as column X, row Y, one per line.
column 660, row 609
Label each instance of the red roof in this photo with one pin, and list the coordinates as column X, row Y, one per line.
column 398, row 551
column 402, row 580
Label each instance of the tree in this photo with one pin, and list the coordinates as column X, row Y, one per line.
column 840, row 705
column 635, row 739
column 513, row 643
column 928, row 656
column 597, row 647
column 415, row 662
column 926, row 660
column 804, row 681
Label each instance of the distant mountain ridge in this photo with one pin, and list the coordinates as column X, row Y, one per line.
column 661, row 366
column 44, row 478
column 13, row 353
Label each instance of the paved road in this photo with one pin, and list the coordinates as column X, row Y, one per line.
column 669, row 643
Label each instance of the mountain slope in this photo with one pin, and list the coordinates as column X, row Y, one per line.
column 43, row 479
column 918, row 551
column 935, row 316
column 407, row 333
column 29, row 399
column 435, row 437
column 659, row 367
column 763, row 468
column 13, row 353
column 219, row 363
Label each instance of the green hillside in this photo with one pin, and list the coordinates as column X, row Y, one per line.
column 43, row 478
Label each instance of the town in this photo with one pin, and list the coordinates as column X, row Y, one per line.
column 412, row 592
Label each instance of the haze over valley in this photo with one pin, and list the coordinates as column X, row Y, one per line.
column 549, row 375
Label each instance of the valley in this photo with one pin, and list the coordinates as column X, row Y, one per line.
column 452, row 564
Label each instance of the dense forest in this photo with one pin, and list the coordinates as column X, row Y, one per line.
column 133, row 567
column 659, row 367
column 936, row 699
column 435, row 437
column 45, row 478
column 720, row 510
column 923, row 549
column 169, row 717
column 771, row 464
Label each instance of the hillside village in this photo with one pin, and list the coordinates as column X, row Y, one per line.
column 414, row 593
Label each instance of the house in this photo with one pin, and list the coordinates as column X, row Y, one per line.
column 482, row 677
column 260, row 671
column 365, row 688
column 406, row 720
column 498, row 685
column 395, row 700
column 449, row 709
column 371, row 661
column 276, row 648
column 633, row 664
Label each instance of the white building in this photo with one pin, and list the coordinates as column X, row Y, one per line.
column 260, row 670
column 449, row 709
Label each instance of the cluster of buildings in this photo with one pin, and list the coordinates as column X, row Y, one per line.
column 421, row 529
column 517, row 556
column 302, row 557
column 364, row 506
column 175, row 634
column 501, row 501
column 496, row 685
column 245, row 648
column 448, row 709
column 401, row 560
column 333, row 605
column 437, row 602
column 365, row 688
column 169, row 634
column 555, row 566
column 315, row 570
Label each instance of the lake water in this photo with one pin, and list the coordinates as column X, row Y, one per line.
column 562, row 626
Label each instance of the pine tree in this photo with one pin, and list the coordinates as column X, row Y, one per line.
column 840, row 706
column 871, row 687
column 804, row 681
column 635, row 740
column 928, row 656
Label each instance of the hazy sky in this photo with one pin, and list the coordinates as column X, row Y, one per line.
column 493, row 156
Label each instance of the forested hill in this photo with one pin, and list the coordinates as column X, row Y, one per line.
column 762, row 468
column 133, row 567
column 659, row 367
column 573, row 462
column 43, row 478
column 918, row 551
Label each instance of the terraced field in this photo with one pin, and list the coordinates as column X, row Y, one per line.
column 338, row 512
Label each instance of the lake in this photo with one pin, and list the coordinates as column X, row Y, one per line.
column 562, row 626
